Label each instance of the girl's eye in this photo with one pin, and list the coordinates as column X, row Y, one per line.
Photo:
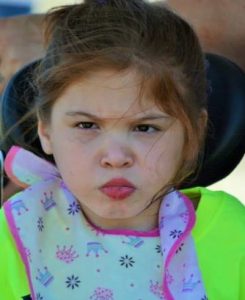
column 146, row 128
column 87, row 125
column 139, row 128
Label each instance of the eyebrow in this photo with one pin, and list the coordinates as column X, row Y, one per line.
column 94, row 117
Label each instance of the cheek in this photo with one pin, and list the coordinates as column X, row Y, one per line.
column 74, row 172
column 72, row 162
column 164, row 158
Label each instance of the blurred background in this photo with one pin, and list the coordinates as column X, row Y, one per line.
column 11, row 7
column 234, row 183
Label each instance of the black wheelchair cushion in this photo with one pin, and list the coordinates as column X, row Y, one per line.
column 225, row 142
column 17, row 99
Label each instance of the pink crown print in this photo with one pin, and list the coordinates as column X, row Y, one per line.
column 102, row 294
column 44, row 277
column 67, row 255
column 189, row 285
column 48, row 201
column 156, row 289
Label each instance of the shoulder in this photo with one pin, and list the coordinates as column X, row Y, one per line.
column 220, row 242
column 219, row 216
column 220, row 222
column 219, row 201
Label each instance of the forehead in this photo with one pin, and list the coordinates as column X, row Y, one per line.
column 109, row 93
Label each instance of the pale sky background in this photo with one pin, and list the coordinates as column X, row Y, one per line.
column 233, row 184
column 44, row 5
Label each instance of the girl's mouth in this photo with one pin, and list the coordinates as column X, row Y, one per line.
column 117, row 192
column 118, row 189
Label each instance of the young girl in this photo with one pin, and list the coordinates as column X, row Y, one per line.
column 121, row 110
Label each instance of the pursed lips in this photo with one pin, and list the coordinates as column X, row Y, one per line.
column 118, row 189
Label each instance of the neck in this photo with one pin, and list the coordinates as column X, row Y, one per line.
column 146, row 220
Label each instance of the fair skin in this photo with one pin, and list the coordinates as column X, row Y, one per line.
column 115, row 142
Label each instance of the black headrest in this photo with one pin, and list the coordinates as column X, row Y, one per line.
column 17, row 99
column 225, row 143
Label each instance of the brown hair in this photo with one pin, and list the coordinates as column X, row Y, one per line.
column 119, row 34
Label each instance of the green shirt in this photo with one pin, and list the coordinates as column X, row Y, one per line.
column 219, row 235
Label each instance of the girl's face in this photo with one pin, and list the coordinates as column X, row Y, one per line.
column 100, row 132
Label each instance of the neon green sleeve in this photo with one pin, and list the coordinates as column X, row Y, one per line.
column 242, row 282
column 13, row 279
column 219, row 236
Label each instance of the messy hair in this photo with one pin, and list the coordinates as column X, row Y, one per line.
column 119, row 35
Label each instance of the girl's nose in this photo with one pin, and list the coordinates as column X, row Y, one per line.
column 117, row 156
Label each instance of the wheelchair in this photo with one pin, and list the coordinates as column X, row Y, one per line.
column 225, row 141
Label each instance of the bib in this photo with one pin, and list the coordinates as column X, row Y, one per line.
column 67, row 257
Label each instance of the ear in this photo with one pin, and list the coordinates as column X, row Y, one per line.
column 44, row 137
